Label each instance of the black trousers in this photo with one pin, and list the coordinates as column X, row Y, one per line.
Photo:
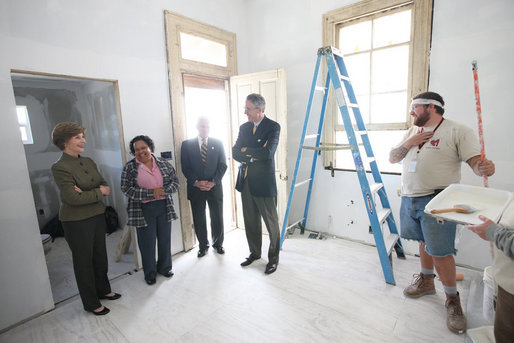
column 158, row 229
column 255, row 208
column 199, row 219
column 86, row 239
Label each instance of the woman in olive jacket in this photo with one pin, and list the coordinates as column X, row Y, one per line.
column 82, row 190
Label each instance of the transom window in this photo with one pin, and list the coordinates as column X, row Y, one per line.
column 199, row 49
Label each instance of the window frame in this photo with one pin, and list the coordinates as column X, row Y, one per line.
column 421, row 30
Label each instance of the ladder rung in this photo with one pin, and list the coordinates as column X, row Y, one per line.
column 325, row 148
column 382, row 214
column 390, row 241
column 320, row 88
column 295, row 223
column 360, row 133
column 312, row 136
column 345, row 78
column 302, row 182
column 373, row 188
column 352, row 105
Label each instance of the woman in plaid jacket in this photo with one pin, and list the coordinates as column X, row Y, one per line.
column 149, row 182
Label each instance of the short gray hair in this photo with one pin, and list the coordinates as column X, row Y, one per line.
column 257, row 100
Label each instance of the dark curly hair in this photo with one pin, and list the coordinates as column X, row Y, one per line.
column 143, row 138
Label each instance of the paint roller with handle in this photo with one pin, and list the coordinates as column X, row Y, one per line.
column 474, row 68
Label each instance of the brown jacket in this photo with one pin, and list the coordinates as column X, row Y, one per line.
column 82, row 172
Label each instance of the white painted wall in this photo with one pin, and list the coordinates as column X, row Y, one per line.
column 290, row 34
column 119, row 40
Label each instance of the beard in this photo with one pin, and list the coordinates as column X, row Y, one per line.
column 422, row 119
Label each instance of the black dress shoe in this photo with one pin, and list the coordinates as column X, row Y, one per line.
column 270, row 268
column 150, row 281
column 111, row 297
column 202, row 252
column 249, row 260
column 219, row 250
column 102, row 312
column 168, row 274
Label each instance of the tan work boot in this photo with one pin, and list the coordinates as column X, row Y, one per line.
column 455, row 320
column 422, row 285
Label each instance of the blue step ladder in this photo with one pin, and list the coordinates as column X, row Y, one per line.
column 337, row 75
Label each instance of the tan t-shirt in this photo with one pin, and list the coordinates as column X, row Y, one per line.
column 438, row 162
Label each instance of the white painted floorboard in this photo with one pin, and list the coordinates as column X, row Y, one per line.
column 323, row 291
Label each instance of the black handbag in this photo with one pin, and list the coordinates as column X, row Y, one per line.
column 241, row 177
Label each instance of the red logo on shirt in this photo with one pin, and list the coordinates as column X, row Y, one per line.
column 434, row 142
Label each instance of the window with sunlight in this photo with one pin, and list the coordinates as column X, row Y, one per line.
column 376, row 51
column 24, row 122
column 199, row 49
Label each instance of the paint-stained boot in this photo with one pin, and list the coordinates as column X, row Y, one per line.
column 455, row 319
column 422, row 285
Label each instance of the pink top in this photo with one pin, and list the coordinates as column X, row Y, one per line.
column 149, row 179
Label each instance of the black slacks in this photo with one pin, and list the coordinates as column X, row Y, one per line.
column 86, row 239
column 255, row 208
column 158, row 229
column 199, row 219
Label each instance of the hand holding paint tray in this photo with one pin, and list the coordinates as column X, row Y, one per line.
column 464, row 203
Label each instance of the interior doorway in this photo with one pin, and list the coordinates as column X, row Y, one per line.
column 209, row 53
column 43, row 101
column 208, row 97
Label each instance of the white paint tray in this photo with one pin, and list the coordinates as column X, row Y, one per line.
column 487, row 202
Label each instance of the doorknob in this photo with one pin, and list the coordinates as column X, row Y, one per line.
column 283, row 178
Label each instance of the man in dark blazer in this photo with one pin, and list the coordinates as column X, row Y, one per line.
column 204, row 164
column 255, row 149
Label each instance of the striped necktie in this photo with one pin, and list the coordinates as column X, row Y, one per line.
column 203, row 152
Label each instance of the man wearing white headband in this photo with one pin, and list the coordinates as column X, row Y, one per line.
column 432, row 151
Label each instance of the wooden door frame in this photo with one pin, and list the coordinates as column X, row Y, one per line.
column 174, row 24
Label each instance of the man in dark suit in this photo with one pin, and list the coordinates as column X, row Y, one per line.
column 255, row 149
column 204, row 164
